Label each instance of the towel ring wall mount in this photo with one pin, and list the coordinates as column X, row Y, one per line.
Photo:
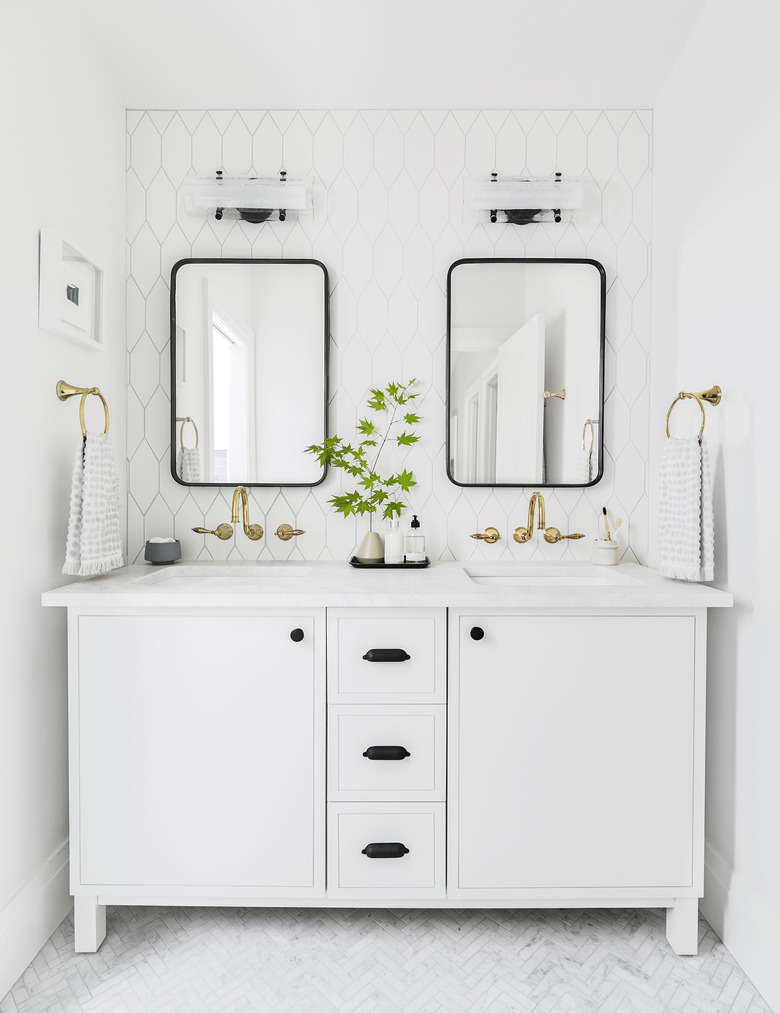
column 711, row 396
column 66, row 390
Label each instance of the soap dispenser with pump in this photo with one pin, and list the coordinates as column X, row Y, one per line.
column 414, row 547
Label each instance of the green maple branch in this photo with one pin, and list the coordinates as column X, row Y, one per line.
column 354, row 460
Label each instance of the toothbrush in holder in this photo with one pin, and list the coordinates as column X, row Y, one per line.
column 605, row 551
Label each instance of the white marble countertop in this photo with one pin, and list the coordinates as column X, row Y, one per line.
column 316, row 584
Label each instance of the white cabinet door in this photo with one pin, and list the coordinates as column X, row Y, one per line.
column 572, row 762
column 200, row 752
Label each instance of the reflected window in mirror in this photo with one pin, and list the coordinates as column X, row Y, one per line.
column 525, row 372
column 249, row 357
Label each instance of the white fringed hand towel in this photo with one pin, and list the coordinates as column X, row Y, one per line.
column 188, row 464
column 686, row 530
column 93, row 545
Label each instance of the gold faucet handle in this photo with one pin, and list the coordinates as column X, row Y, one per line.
column 489, row 535
column 287, row 531
column 553, row 535
column 223, row 531
column 253, row 531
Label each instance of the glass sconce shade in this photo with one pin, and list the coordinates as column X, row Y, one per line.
column 522, row 201
column 252, row 198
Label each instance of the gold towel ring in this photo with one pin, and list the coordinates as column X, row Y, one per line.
column 592, row 423
column 711, row 396
column 698, row 401
column 66, row 390
column 184, row 419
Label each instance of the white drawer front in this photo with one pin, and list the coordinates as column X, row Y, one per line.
column 387, row 656
column 417, row 828
column 387, row 732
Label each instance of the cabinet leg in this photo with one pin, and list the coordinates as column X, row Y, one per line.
column 89, row 921
column 682, row 926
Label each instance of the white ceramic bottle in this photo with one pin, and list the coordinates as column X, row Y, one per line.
column 414, row 548
column 394, row 542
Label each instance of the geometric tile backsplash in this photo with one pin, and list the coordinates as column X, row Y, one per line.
column 387, row 225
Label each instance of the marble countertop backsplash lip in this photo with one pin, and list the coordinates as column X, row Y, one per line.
column 320, row 584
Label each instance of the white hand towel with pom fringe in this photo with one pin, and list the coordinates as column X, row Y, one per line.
column 94, row 544
column 584, row 466
column 686, row 530
column 188, row 464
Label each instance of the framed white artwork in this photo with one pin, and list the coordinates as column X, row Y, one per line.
column 70, row 292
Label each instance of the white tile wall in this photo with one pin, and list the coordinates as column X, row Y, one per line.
column 387, row 225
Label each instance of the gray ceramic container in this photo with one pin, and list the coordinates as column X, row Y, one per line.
column 161, row 553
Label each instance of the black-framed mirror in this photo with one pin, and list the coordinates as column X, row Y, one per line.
column 525, row 372
column 249, row 371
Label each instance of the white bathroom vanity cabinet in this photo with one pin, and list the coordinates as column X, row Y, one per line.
column 312, row 735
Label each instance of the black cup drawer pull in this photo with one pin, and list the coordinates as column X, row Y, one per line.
column 388, row 850
column 386, row 753
column 386, row 654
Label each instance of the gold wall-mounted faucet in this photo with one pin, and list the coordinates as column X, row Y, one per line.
column 253, row 531
column 551, row 534
column 225, row 531
column 524, row 534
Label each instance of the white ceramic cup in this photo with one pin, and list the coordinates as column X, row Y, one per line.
column 604, row 552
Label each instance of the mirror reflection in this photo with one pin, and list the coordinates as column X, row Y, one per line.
column 249, row 368
column 525, row 372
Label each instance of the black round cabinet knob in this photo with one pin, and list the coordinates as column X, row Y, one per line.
column 296, row 636
column 477, row 633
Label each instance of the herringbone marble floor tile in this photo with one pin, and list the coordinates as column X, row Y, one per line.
column 214, row 960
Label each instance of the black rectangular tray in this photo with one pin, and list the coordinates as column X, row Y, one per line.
column 388, row 566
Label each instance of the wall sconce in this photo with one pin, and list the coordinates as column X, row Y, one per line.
column 250, row 198
column 521, row 201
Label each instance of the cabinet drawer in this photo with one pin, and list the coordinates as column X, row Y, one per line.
column 387, row 656
column 386, row 733
column 414, row 831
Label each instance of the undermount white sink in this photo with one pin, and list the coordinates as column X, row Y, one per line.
column 546, row 575
column 213, row 575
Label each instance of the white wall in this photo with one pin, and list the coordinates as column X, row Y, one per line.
column 388, row 225
column 61, row 122
column 716, row 271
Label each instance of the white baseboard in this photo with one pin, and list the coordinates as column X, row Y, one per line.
column 32, row 914
column 748, row 928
